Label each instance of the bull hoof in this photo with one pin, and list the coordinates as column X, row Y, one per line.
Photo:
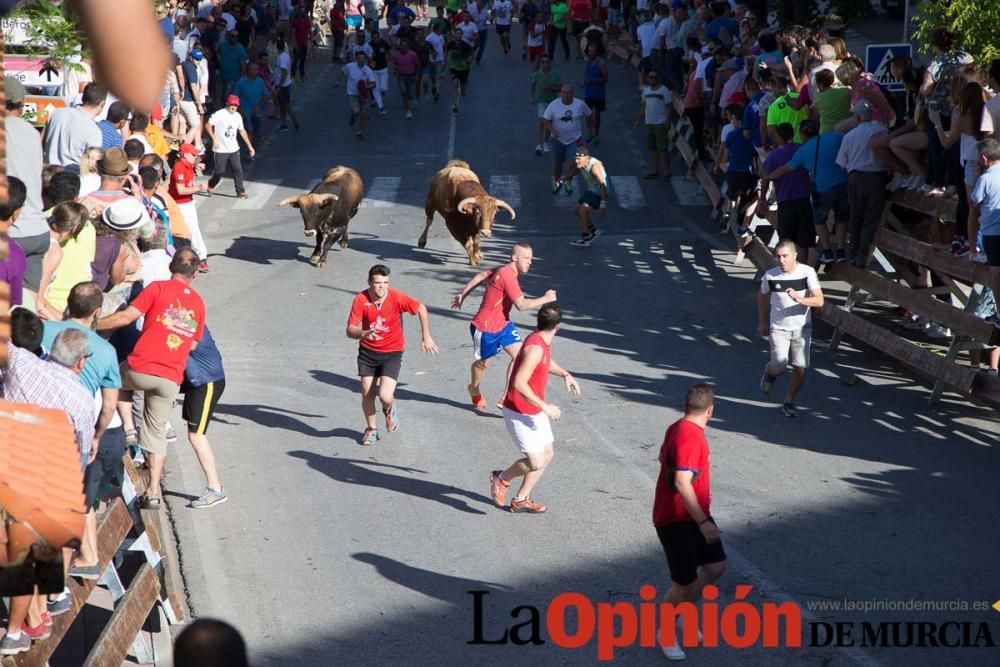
column 421, row 243
column 314, row 260
column 320, row 265
column 343, row 244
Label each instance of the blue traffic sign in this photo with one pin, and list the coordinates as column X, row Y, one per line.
column 878, row 58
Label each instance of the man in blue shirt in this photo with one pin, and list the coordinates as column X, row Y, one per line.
column 818, row 156
column 99, row 374
column 722, row 27
column 204, row 382
column 232, row 61
column 111, row 126
column 252, row 92
column 737, row 150
column 986, row 198
column 751, row 114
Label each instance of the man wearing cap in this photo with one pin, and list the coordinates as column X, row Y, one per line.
column 224, row 127
column 72, row 130
column 191, row 107
column 24, row 162
column 866, row 181
column 182, row 189
column 595, row 197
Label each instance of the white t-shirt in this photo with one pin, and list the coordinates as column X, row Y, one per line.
column 230, row 21
column 155, row 266
column 68, row 134
column 536, row 36
column 89, row 183
column 785, row 313
column 469, row 32
column 503, row 10
column 567, row 119
column 726, row 130
column 354, row 74
column 284, row 62
column 647, row 38
column 227, row 126
column 700, row 73
column 352, row 50
column 480, row 17
column 665, row 29
column 436, row 43
column 657, row 104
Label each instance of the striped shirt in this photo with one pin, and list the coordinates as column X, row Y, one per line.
column 110, row 136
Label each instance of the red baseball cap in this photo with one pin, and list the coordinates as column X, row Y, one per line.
column 232, row 100
column 189, row 149
column 156, row 113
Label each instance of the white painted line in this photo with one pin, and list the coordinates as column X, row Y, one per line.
column 507, row 188
column 688, row 193
column 260, row 192
column 628, row 192
column 451, row 138
column 382, row 192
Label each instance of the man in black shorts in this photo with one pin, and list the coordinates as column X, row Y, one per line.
column 376, row 322
column 459, row 56
column 204, row 382
column 684, row 524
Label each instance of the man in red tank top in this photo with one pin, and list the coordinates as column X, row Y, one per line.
column 527, row 414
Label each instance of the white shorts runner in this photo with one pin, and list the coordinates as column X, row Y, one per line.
column 531, row 433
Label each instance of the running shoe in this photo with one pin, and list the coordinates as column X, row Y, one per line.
column 789, row 410
column 556, row 186
column 674, row 653
column 370, row 437
column 61, row 606
column 826, row 257
column 391, row 421
column 538, row 150
column 527, row 505
column 47, row 618
column 38, row 633
column 203, row 266
column 582, row 242
column 11, row 646
column 478, row 401
column 498, row 488
column 209, row 498
column 594, row 233
column 841, row 256
column 766, row 381
column 282, row 128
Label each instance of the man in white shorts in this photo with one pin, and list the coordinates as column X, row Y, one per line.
column 788, row 291
column 527, row 414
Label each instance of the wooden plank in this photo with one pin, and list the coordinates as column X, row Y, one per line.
column 918, row 359
column 925, row 254
column 935, row 207
column 935, row 310
column 111, row 532
column 127, row 620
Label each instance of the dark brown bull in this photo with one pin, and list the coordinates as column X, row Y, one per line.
column 328, row 208
column 467, row 208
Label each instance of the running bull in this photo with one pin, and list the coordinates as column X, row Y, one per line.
column 467, row 208
column 328, row 208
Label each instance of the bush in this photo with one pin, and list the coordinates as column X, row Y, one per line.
column 975, row 23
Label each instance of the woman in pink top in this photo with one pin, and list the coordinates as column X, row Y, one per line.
column 863, row 86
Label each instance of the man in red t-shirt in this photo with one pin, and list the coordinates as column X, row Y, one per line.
column 681, row 513
column 376, row 321
column 491, row 328
column 182, row 189
column 527, row 415
column 173, row 320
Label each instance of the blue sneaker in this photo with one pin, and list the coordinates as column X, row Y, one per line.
column 370, row 437
column 391, row 422
column 556, row 186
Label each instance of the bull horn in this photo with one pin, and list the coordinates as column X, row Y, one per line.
column 468, row 201
column 325, row 198
column 504, row 205
column 290, row 201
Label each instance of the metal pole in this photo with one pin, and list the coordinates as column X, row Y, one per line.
column 906, row 21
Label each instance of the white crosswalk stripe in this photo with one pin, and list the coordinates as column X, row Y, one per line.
column 382, row 192
column 507, row 188
column 259, row 193
column 628, row 192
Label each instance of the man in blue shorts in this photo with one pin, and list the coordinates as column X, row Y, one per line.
column 491, row 328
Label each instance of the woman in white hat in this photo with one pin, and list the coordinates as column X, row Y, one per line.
column 117, row 264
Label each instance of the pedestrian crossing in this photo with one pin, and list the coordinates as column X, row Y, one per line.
column 626, row 192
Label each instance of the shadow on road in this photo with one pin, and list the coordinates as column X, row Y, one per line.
column 282, row 419
column 443, row 587
column 355, row 471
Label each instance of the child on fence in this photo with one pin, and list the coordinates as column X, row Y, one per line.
column 741, row 181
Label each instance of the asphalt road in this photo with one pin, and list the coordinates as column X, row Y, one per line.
column 330, row 553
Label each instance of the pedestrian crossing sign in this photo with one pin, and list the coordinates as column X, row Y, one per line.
column 877, row 60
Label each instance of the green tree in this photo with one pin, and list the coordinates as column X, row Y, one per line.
column 54, row 32
column 974, row 21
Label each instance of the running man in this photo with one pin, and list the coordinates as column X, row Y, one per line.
column 360, row 85
column 375, row 321
column 491, row 327
column 681, row 509
column 435, row 67
column 563, row 118
column 527, row 414
column 789, row 291
column 595, row 197
column 460, row 56
column 545, row 86
column 503, row 14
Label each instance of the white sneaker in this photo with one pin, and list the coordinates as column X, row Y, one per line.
column 538, row 149
column 895, row 183
column 409, row 114
column 978, row 257
column 914, row 182
column 674, row 653
column 546, row 148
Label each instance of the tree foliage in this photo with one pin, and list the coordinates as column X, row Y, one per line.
column 974, row 21
column 53, row 31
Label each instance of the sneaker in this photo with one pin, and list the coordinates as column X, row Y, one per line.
column 977, row 256
column 788, row 408
column 11, row 646
column 391, row 421
column 47, row 618
column 538, row 150
column 86, row 572
column 582, row 242
column 527, row 505
column 674, row 653
column 766, row 381
column 895, row 183
column 409, row 114
column 594, row 233
column 37, row 633
column 282, row 128
column 568, row 187
column 841, row 256
column 370, row 437
column 57, row 607
column 381, row 112
column 209, row 498
column 498, row 488
column 826, row 257
column 203, row 266
column 546, row 148
column 478, row 402
column 938, row 331
column 556, row 186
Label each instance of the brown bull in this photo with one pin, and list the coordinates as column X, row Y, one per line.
column 467, row 208
column 328, row 208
